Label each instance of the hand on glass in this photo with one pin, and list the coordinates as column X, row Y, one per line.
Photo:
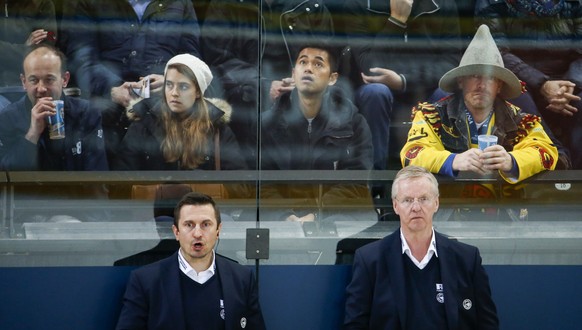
column 496, row 158
column 483, row 161
column 43, row 108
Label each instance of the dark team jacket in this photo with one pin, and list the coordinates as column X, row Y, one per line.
column 82, row 149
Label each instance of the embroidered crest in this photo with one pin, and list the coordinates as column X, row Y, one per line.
column 440, row 297
column 413, row 152
column 546, row 159
column 467, row 304
column 77, row 150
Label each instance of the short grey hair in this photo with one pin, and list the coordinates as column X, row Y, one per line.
column 413, row 172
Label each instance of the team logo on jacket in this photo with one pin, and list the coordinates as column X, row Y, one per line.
column 467, row 304
column 77, row 149
column 440, row 297
column 243, row 322
column 413, row 152
column 546, row 159
column 222, row 313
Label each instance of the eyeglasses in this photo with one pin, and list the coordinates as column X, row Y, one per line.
column 409, row 201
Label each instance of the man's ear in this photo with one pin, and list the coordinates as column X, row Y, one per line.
column 394, row 207
column 333, row 78
column 176, row 232
column 66, row 77
column 23, row 80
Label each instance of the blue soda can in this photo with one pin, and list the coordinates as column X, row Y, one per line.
column 57, row 121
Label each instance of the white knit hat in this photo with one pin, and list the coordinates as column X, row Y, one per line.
column 482, row 57
column 198, row 67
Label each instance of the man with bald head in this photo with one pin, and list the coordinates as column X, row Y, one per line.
column 24, row 135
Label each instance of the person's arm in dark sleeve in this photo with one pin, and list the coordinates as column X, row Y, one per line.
column 134, row 311
column 358, row 296
column 255, row 316
column 486, row 310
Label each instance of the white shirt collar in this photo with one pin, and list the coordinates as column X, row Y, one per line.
column 431, row 251
column 201, row 277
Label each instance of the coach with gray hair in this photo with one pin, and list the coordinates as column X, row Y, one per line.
column 417, row 278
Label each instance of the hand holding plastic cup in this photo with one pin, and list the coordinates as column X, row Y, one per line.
column 56, row 122
column 485, row 141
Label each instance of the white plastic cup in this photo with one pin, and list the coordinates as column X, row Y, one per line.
column 57, row 121
column 485, row 141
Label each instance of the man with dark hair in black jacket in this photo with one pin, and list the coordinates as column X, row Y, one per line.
column 314, row 127
column 249, row 46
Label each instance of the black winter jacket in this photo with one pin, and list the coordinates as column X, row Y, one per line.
column 338, row 138
column 141, row 146
column 82, row 149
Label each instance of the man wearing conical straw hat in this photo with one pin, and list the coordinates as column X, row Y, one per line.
column 444, row 135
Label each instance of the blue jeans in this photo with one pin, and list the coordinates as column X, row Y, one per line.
column 375, row 102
